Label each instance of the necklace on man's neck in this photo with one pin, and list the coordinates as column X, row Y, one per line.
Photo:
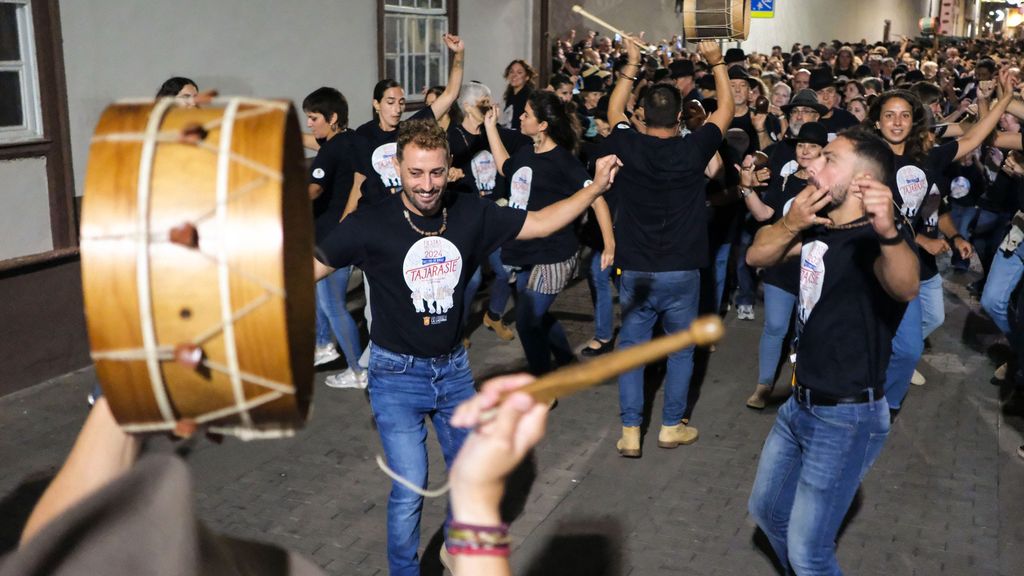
column 444, row 224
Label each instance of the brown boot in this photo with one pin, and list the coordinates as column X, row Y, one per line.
column 758, row 398
column 499, row 327
column 673, row 436
column 629, row 444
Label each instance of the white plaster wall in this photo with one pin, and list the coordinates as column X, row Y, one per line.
column 270, row 48
column 496, row 32
column 25, row 218
column 795, row 20
column 816, row 21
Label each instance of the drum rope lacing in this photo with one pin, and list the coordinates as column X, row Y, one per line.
column 150, row 351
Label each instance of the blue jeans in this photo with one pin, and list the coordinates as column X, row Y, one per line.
column 721, row 268
column 811, row 466
column 907, row 347
column 746, row 281
column 933, row 308
column 500, row 289
column 404, row 391
column 540, row 333
column 645, row 298
column 778, row 310
column 332, row 316
column 601, row 293
column 963, row 217
column 1003, row 277
column 989, row 230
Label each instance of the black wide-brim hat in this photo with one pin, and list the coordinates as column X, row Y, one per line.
column 806, row 98
column 812, row 132
column 821, row 78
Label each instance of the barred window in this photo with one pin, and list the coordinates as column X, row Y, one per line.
column 413, row 50
column 20, row 111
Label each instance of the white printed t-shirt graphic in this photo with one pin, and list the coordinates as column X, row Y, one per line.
column 485, row 172
column 812, row 277
column 384, row 165
column 960, row 187
column 432, row 269
column 522, row 180
column 789, row 168
column 912, row 185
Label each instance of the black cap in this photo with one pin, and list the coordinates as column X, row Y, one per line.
column 812, row 132
column 822, row 78
column 706, row 82
column 660, row 74
column 733, row 55
column 806, row 98
column 680, row 69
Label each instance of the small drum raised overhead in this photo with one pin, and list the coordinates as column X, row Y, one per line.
column 197, row 266
column 716, row 19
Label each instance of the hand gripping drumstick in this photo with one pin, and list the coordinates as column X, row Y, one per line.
column 579, row 10
column 702, row 332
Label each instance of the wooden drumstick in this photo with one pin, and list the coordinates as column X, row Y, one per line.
column 579, row 10
column 702, row 332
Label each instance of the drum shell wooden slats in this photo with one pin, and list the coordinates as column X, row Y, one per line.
column 263, row 236
column 716, row 19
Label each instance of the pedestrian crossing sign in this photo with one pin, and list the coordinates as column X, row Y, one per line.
column 762, row 8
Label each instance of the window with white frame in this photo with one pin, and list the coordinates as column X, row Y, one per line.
column 414, row 51
column 20, row 111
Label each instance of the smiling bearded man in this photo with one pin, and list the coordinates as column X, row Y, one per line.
column 419, row 249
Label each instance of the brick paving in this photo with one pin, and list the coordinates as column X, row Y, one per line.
column 945, row 497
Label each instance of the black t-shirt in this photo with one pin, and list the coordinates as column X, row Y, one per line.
column 515, row 105
column 726, row 211
column 379, row 147
column 919, row 191
column 661, row 222
column 747, row 125
column 839, row 121
column 787, row 274
column 417, row 282
column 535, row 182
column 471, row 153
column 845, row 319
column 967, row 184
column 333, row 169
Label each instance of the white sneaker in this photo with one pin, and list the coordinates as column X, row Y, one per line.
column 325, row 354
column 347, row 379
column 745, row 312
column 917, row 379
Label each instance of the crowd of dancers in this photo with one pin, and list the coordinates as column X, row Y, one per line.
column 836, row 177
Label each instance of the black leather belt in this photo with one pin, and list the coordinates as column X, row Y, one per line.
column 810, row 397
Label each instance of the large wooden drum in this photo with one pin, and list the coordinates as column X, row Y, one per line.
column 196, row 244
column 716, row 19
